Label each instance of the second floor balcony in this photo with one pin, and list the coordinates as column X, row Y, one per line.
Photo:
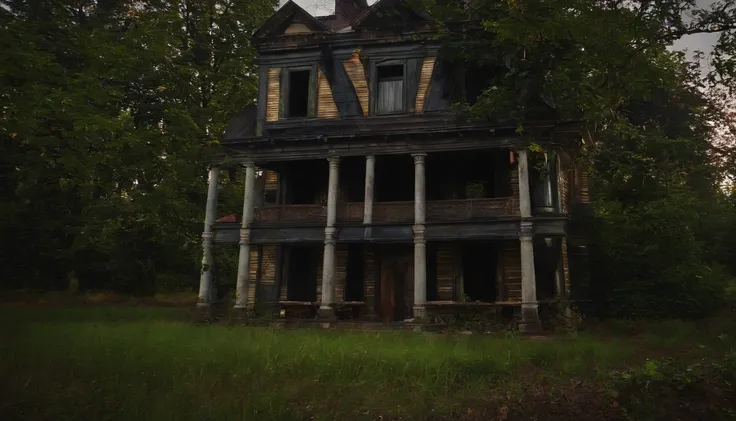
column 401, row 212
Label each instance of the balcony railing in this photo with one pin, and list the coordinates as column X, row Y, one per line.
column 291, row 213
column 393, row 212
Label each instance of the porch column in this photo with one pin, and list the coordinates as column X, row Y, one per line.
column 529, row 310
column 370, row 178
column 241, row 288
column 205, row 279
column 326, row 310
column 420, row 252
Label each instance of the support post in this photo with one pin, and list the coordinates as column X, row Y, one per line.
column 370, row 178
column 529, row 306
column 326, row 308
column 420, row 249
column 241, row 289
column 204, row 300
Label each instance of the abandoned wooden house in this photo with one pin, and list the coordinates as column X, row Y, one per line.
column 367, row 198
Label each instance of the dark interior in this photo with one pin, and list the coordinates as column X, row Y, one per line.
column 393, row 72
column 476, row 174
column 479, row 271
column 302, row 282
column 394, row 178
column 546, row 260
column 306, row 181
column 354, row 276
column 299, row 93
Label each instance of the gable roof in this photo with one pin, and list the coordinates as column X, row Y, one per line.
column 286, row 15
column 384, row 12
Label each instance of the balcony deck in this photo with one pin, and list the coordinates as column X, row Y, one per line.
column 389, row 212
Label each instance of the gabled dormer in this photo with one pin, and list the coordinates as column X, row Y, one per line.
column 361, row 63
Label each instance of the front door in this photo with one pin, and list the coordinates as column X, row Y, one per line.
column 396, row 296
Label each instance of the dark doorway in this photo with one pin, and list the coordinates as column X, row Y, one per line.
column 479, row 271
column 354, row 273
column 299, row 93
column 547, row 256
column 396, row 269
column 302, row 282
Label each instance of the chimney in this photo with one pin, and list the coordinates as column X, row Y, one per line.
column 350, row 9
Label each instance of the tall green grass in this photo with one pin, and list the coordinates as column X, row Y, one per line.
column 146, row 364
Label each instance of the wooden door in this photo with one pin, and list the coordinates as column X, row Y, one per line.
column 396, row 294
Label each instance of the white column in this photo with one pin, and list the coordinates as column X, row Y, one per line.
column 420, row 252
column 529, row 307
column 205, row 279
column 241, row 288
column 328, row 264
column 370, row 178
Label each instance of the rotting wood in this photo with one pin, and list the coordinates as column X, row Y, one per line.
column 274, row 92
column 424, row 81
column 356, row 73
column 326, row 107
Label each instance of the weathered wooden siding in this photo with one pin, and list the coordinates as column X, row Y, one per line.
column 341, row 271
column 252, row 275
column 272, row 179
column 584, row 187
column 369, row 280
column 446, row 270
column 285, row 274
column 515, row 209
column 510, row 260
column 320, row 262
column 565, row 268
column 272, row 103
column 297, row 28
column 268, row 265
column 356, row 73
column 564, row 189
column 424, row 81
column 326, row 107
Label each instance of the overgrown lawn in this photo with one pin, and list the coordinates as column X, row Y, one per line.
column 107, row 363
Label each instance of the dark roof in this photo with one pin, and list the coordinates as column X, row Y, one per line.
column 334, row 22
column 287, row 13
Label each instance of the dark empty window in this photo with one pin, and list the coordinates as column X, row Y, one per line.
column 390, row 96
column 298, row 93
column 354, row 275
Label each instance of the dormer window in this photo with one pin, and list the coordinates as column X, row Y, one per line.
column 297, row 92
column 390, row 95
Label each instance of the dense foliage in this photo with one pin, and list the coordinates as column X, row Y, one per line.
column 659, row 142
column 109, row 110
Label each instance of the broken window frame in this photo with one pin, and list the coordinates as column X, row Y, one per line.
column 285, row 91
column 375, row 87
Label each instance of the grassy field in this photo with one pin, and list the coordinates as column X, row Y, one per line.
column 142, row 363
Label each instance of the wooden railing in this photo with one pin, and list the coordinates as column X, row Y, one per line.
column 393, row 212
column 467, row 209
column 296, row 213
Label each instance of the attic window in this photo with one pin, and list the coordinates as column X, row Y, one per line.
column 298, row 93
column 390, row 97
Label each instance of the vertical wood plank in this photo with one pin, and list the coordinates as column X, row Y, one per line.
column 341, row 269
column 446, row 271
column 424, row 81
column 369, row 281
column 274, row 90
column 356, row 73
column 511, row 261
column 326, row 107
column 413, row 75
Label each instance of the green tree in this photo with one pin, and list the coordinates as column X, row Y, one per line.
column 650, row 124
column 110, row 113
